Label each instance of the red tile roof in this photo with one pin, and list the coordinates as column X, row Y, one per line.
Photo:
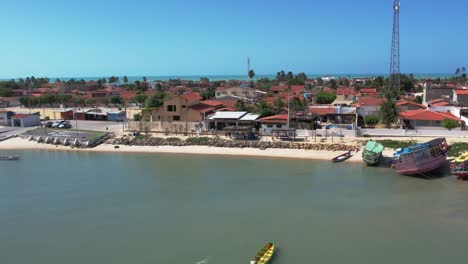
column 461, row 92
column 368, row 90
column 4, row 111
column 191, row 97
column 295, row 89
column 212, row 103
column 404, row 102
column 424, row 114
column 372, row 101
column 20, row 116
column 438, row 102
column 202, row 108
column 322, row 110
column 128, row 95
column 345, row 91
column 275, row 119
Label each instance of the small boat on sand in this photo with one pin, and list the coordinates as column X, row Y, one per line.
column 342, row 157
column 264, row 255
column 459, row 166
column 9, row 158
column 372, row 153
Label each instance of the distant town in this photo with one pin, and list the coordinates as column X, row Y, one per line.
column 281, row 106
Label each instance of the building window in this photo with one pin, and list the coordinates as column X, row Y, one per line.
column 184, row 106
column 278, row 126
column 176, row 118
column 171, row 108
column 269, row 125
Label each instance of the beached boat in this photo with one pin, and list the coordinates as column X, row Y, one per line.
column 264, row 255
column 342, row 157
column 459, row 166
column 421, row 158
column 9, row 158
column 372, row 153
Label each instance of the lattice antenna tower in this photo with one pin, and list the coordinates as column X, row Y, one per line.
column 394, row 78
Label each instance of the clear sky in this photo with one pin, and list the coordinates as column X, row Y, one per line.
column 63, row 38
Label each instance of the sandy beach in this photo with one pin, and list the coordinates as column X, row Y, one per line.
column 19, row 143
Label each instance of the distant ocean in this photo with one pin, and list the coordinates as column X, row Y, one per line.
column 238, row 77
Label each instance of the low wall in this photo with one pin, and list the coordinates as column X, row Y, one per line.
column 171, row 127
column 415, row 132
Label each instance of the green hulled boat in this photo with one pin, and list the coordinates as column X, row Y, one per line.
column 372, row 153
column 264, row 255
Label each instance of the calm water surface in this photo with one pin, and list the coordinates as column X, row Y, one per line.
column 58, row 207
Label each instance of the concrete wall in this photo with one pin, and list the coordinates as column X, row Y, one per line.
column 423, row 132
column 268, row 128
column 173, row 127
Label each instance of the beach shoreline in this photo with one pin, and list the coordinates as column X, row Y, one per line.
column 19, row 143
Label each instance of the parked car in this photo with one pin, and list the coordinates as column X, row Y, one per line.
column 48, row 124
column 56, row 124
column 65, row 124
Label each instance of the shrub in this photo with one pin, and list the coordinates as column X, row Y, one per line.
column 449, row 124
column 325, row 98
column 137, row 117
column 371, row 120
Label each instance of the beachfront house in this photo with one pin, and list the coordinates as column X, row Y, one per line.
column 426, row 119
column 232, row 119
column 25, row 120
column 5, row 117
column 404, row 106
column 272, row 123
column 345, row 95
column 461, row 97
column 369, row 106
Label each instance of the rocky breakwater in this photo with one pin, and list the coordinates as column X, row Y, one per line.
column 226, row 143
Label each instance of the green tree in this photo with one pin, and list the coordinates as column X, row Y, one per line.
column 301, row 77
column 449, row 124
column 325, row 98
column 125, row 79
column 418, row 99
column 371, row 120
column 319, row 81
column 332, row 83
column 141, row 98
column 278, row 104
column 251, row 74
column 137, row 117
column 296, row 104
column 116, row 100
column 388, row 110
column 264, row 109
column 290, row 76
column 155, row 100
column 240, row 106
column 457, row 72
column 463, row 69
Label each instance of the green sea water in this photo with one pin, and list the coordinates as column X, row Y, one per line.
column 75, row 208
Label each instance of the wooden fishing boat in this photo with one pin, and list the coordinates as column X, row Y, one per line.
column 459, row 166
column 372, row 153
column 9, row 158
column 420, row 159
column 342, row 157
column 264, row 255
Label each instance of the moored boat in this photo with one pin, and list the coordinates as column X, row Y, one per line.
column 342, row 157
column 9, row 158
column 459, row 166
column 264, row 255
column 372, row 153
column 421, row 158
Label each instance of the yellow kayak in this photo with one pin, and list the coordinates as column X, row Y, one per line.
column 264, row 255
column 462, row 158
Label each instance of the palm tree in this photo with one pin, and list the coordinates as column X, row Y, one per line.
column 251, row 74
column 457, row 72
column 463, row 69
column 125, row 79
column 144, row 79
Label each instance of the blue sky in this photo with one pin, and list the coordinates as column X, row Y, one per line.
column 213, row 37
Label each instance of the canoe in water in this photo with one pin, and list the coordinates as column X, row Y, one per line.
column 264, row 255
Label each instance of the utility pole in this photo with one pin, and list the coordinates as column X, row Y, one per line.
column 394, row 78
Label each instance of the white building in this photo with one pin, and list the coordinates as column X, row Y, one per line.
column 25, row 120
